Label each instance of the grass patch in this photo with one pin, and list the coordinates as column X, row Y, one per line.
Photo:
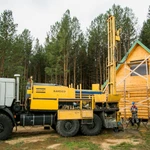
column 123, row 146
column 60, row 139
column 146, row 142
column 144, row 145
column 13, row 147
column 75, row 145
column 8, row 148
column 18, row 145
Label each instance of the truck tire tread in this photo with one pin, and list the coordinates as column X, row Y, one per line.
column 7, row 125
column 61, row 127
column 94, row 129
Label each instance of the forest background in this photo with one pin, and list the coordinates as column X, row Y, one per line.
column 68, row 56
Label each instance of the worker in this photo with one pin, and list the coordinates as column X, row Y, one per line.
column 134, row 111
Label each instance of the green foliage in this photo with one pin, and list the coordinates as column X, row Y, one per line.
column 38, row 63
column 15, row 49
column 97, row 48
column 148, row 15
column 126, row 20
column 53, row 53
column 7, row 40
column 63, row 43
column 145, row 32
column 68, row 56
column 97, row 41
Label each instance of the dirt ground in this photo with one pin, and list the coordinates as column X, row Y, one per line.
column 30, row 138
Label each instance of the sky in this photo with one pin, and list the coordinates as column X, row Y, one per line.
column 39, row 15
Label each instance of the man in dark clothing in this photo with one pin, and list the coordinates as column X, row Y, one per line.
column 134, row 111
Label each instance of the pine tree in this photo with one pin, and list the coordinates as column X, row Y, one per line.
column 145, row 31
column 97, row 49
column 54, row 58
column 65, row 43
column 38, row 62
column 7, row 38
column 126, row 20
column 62, row 49
column 148, row 15
column 97, row 41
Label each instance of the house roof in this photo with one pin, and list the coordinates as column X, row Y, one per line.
column 137, row 42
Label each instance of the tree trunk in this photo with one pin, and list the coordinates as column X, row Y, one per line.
column 81, row 73
column 74, row 72
column 100, row 71
column 2, row 65
column 39, row 74
column 65, row 67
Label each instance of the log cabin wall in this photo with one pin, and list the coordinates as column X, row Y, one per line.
column 134, row 87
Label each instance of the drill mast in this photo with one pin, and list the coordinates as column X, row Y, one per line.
column 112, row 38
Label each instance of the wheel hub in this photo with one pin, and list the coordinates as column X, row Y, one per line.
column 68, row 126
column 1, row 128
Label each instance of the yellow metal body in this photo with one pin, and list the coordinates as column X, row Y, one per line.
column 100, row 98
column 111, row 55
column 42, row 91
column 49, row 98
column 95, row 87
column 110, row 97
column 113, row 36
column 75, row 114
column 107, row 98
column 42, row 104
column 46, row 97
column 114, row 97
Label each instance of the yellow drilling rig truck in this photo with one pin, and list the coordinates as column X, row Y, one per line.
column 59, row 106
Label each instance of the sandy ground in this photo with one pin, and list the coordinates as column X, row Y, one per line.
column 38, row 138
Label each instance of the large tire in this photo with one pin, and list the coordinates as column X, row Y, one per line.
column 94, row 128
column 6, row 127
column 67, row 128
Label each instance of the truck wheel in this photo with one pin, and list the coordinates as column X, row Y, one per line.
column 6, row 127
column 67, row 128
column 94, row 128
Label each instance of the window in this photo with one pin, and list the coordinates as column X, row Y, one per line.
column 141, row 69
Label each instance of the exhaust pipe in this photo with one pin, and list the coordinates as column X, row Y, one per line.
column 17, row 87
